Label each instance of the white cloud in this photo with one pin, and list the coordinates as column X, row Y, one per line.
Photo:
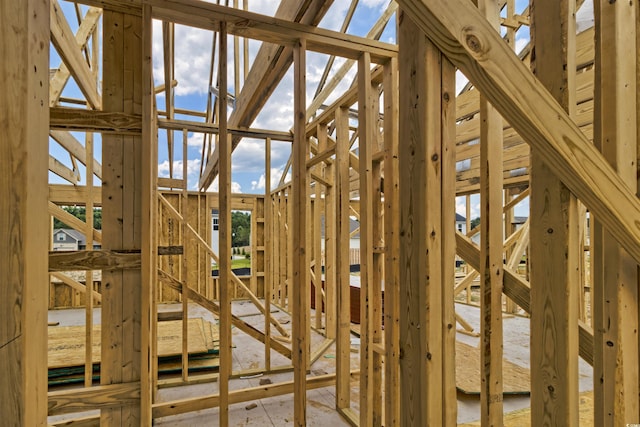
column 235, row 187
column 276, row 174
column 193, row 167
column 375, row 3
column 521, row 43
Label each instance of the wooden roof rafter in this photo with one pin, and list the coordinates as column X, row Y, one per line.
column 70, row 50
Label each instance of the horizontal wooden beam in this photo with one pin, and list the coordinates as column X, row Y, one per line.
column 98, row 397
column 93, row 260
column 76, row 119
column 70, row 195
column 237, row 396
column 268, row 29
column 202, row 127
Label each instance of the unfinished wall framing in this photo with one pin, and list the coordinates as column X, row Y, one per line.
column 554, row 125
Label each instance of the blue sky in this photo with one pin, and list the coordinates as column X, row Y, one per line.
column 193, row 54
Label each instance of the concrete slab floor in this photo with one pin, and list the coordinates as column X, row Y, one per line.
column 278, row 411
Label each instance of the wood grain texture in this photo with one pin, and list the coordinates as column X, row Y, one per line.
column 122, row 202
column 424, row 160
column 491, row 249
column 24, row 54
column 65, row 402
column 299, row 278
column 555, row 251
column 458, row 29
column 392, row 247
column 366, row 145
column 343, row 343
column 615, row 290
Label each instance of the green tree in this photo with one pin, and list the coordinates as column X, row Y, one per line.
column 475, row 222
column 80, row 212
column 240, row 228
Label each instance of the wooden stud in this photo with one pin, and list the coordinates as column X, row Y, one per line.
column 554, row 246
column 88, row 301
column 491, row 265
column 448, row 227
column 299, row 279
column 343, row 341
column 23, row 212
column 184, row 270
column 615, row 289
column 122, row 194
column 392, row 247
column 423, row 161
column 269, row 253
column 224, row 233
column 367, row 143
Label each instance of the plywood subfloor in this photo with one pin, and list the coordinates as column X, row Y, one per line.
column 516, row 378
column 67, row 343
column 522, row 417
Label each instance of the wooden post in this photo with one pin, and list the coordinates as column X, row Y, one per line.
column 224, row 228
column 269, row 252
column 122, row 211
column 392, row 247
column 615, row 287
column 448, row 235
column 299, row 281
column 343, row 344
column 426, row 221
column 148, row 356
column 24, row 220
column 491, row 264
column 367, row 123
column 554, row 243
column 330, row 222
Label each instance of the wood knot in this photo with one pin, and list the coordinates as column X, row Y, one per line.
column 473, row 42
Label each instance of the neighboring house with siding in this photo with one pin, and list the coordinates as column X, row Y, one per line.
column 68, row 239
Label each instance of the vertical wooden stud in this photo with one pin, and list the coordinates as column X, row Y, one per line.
column 615, row 289
column 225, row 232
column 491, row 262
column 122, row 206
column 392, row 246
column 555, row 239
column 148, row 326
column 269, row 250
column 424, row 160
column 366, row 143
column 24, row 65
column 299, row 281
column 343, row 342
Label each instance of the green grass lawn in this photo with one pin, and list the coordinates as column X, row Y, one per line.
column 237, row 263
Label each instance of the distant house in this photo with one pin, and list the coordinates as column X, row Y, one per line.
column 461, row 223
column 518, row 221
column 68, row 239
column 215, row 238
